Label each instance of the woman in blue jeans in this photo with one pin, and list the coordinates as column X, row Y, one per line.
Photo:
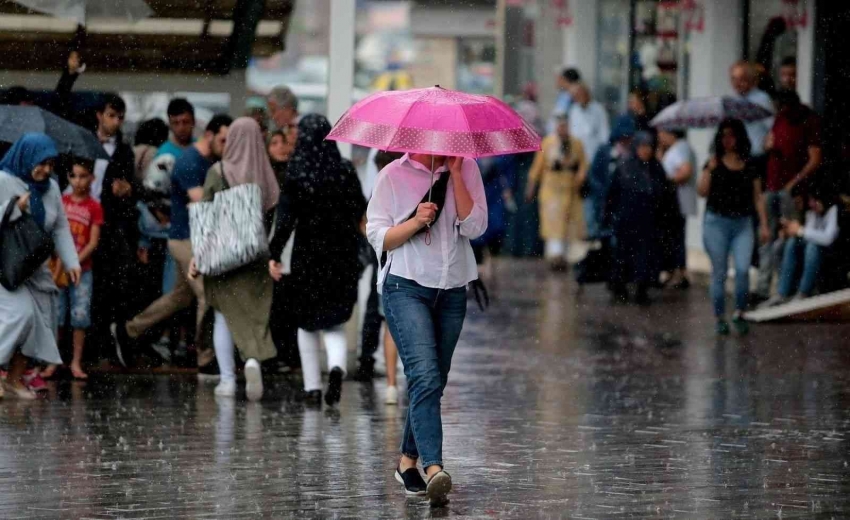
column 422, row 240
column 733, row 190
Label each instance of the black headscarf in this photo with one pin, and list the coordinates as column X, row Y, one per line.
column 315, row 160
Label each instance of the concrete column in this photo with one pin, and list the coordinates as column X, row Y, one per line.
column 712, row 52
column 548, row 56
column 341, row 76
column 806, row 54
column 580, row 39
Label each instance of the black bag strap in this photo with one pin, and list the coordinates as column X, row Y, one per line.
column 10, row 207
column 437, row 195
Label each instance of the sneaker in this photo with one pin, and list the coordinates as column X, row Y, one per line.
column 741, row 325
column 722, row 327
column 773, row 302
column 253, row 380
column 412, row 481
column 334, row 387
column 226, row 388
column 119, row 337
column 163, row 349
column 392, row 395
column 438, row 489
column 34, row 381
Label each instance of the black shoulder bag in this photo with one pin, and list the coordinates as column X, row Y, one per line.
column 24, row 247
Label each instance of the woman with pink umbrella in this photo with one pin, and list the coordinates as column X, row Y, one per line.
column 424, row 210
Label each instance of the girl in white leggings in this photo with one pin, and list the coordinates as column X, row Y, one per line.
column 337, row 351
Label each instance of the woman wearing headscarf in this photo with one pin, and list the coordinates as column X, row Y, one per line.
column 28, row 314
column 323, row 203
column 639, row 198
column 560, row 168
column 242, row 298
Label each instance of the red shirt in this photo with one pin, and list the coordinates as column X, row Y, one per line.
column 82, row 215
column 792, row 137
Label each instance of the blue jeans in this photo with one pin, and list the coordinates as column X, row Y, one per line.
column 779, row 204
column 78, row 299
column 592, row 218
column 425, row 324
column 811, row 253
column 722, row 235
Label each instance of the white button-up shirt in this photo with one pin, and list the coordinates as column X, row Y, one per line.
column 446, row 263
column 590, row 126
column 757, row 130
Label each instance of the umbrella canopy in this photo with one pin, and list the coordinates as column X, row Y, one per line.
column 436, row 121
column 16, row 121
column 708, row 112
column 81, row 10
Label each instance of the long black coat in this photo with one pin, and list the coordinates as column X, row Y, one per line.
column 639, row 201
column 323, row 204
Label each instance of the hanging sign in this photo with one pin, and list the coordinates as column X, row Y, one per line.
column 563, row 14
column 795, row 14
column 694, row 15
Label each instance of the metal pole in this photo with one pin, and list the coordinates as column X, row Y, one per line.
column 341, row 76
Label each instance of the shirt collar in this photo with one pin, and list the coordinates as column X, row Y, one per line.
column 419, row 166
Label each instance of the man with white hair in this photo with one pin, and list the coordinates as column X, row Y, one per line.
column 283, row 106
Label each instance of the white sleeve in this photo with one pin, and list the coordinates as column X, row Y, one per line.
column 475, row 224
column 825, row 236
column 605, row 127
column 379, row 214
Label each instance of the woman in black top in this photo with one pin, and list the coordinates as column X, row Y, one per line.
column 734, row 192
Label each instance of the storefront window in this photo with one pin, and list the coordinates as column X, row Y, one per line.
column 772, row 39
column 613, row 54
column 476, row 65
column 657, row 51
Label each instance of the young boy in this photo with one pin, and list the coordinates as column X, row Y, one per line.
column 85, row 217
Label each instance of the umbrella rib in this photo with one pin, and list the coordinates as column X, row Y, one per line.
column 407, row 113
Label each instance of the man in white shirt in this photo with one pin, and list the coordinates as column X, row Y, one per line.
column 588, row 120
column 744, row 80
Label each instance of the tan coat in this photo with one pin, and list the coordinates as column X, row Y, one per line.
column 561, row 215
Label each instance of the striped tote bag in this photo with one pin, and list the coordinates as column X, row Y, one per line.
column 228, row 232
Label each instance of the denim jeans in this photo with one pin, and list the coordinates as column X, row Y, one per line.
column 722, row 235
column 779, row 204
column 425, row 324
column 76, row 299
column 811, row 253
column 592, row 218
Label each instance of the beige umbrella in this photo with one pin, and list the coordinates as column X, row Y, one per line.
column 82, row 10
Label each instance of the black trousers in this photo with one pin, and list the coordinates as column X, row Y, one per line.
column 371, row 334
column 283, row 327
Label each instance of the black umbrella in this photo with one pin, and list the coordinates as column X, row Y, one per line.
column 16, row 121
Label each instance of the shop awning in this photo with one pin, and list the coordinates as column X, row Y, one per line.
column 188, row 36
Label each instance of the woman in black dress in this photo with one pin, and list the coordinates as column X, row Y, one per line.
column 323, row 204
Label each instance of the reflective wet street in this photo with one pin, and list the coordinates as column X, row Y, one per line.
column 558, row 406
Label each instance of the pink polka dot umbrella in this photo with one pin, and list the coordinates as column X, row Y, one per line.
column 436, row 121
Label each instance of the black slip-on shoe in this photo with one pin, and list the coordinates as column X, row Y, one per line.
column 438, row 489
column 334, row 387
column 312, row 399
column 412, row 481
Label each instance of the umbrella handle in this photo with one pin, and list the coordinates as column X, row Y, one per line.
column 430, row 190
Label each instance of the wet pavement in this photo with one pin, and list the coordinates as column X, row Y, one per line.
column 558, row 406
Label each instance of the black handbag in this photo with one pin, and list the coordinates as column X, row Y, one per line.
column 24, row 247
